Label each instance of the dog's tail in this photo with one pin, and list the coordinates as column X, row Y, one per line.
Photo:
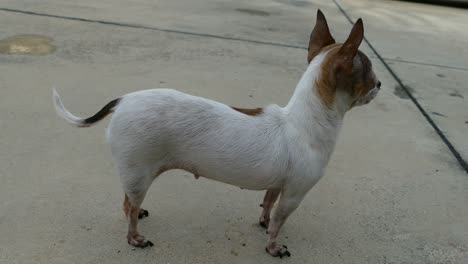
column 78, row 121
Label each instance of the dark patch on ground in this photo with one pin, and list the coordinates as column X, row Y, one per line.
column 456, row 94
column 440, row 75
column 438, row 114
column 400, row 92
column 466, row 122
column 253, row 12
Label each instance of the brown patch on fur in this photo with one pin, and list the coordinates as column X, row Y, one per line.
column 250, row 112
column 357, row 81
column 325, row 83
column 329, row 47
column 325, row 92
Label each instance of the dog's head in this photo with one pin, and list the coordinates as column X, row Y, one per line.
column 344, row 69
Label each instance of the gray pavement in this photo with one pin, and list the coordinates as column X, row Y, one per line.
column 393, row 193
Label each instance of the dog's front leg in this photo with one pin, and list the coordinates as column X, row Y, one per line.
column 289, row 201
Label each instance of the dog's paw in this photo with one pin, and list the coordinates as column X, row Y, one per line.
column 139, row 241
column 143, row 213
column 278, row 251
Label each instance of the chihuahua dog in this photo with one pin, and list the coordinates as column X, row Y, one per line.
column 283, row 150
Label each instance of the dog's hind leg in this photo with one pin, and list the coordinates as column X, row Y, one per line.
column 135, row 185
column 126, row 208
column 133, row 236
column 268, row 201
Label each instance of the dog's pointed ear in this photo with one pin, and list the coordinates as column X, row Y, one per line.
column 350, row 48
column 320, row 37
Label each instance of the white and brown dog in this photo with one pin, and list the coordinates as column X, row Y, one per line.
column 283, row 150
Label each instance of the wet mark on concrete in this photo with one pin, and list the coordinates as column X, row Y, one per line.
column 438, row 114
column 27, row 45
column 400, row 92
column 466, row 122
column 440, row 75
column 253, row 12
column 456, row 94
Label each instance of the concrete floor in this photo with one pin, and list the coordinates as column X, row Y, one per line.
column 393, row 192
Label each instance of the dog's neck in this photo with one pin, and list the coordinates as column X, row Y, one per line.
column 318, row 123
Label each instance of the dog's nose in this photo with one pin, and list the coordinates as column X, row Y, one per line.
column 379, row 84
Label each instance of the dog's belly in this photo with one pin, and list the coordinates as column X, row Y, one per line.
column 245, row 178
column 252, row 180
